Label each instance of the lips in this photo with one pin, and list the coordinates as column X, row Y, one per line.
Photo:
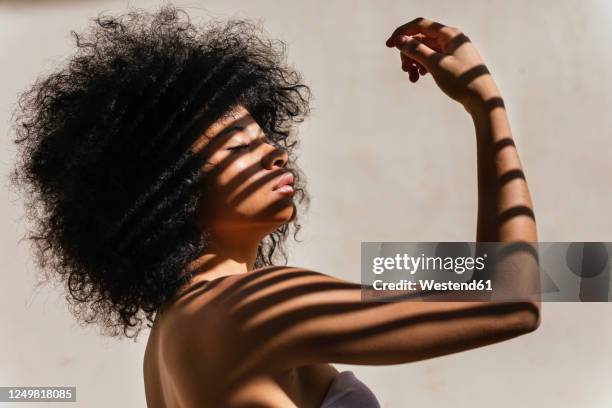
column 285, row 180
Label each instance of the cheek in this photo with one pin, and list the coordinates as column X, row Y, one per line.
column 232, row 179
column 238, row 192
column 234, row 190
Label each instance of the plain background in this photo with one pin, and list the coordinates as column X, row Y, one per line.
column 386, row 160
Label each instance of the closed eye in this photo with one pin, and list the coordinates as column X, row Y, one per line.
column 238, row 147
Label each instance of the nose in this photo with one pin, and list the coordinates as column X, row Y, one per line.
column 276, row 157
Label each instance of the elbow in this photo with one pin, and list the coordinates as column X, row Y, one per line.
column 530, row 317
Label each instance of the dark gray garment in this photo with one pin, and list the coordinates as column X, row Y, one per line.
column 347, row 391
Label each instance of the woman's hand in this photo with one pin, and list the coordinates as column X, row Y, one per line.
column 450, row 57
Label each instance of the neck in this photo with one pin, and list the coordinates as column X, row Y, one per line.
column 226, row 254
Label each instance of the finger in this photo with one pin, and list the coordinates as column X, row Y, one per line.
column 431, row 43
column 443, row 34
column 406, row 61
column 413, row 72
column 413, row 75
column 419, row 25
column 409, row 65
column 416, row 50
column 428, row 41
column 421, row 69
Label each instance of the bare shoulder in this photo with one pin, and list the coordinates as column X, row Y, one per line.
column 203, row 321
column 212, row 303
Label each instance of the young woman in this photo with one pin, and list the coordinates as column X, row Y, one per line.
column 160, row 171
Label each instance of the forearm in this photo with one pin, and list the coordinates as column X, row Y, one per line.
column 505, row 209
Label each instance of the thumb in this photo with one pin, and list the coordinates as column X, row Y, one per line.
column 415, row 49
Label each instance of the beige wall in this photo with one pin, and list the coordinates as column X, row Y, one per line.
column 402, row 158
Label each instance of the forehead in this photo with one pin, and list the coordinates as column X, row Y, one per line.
column 214, row 134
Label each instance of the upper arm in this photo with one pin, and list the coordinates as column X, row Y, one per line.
column 282, row 317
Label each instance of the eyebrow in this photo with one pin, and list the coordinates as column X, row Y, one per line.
column 229, row 129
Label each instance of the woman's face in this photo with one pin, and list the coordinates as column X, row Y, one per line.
column 247, row 184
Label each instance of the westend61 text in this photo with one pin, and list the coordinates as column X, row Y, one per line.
column 432, row 285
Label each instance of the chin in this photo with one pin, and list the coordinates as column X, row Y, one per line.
column 281, row 213
column 285, row 214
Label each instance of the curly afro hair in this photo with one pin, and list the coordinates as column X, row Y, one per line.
column 105, row 164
